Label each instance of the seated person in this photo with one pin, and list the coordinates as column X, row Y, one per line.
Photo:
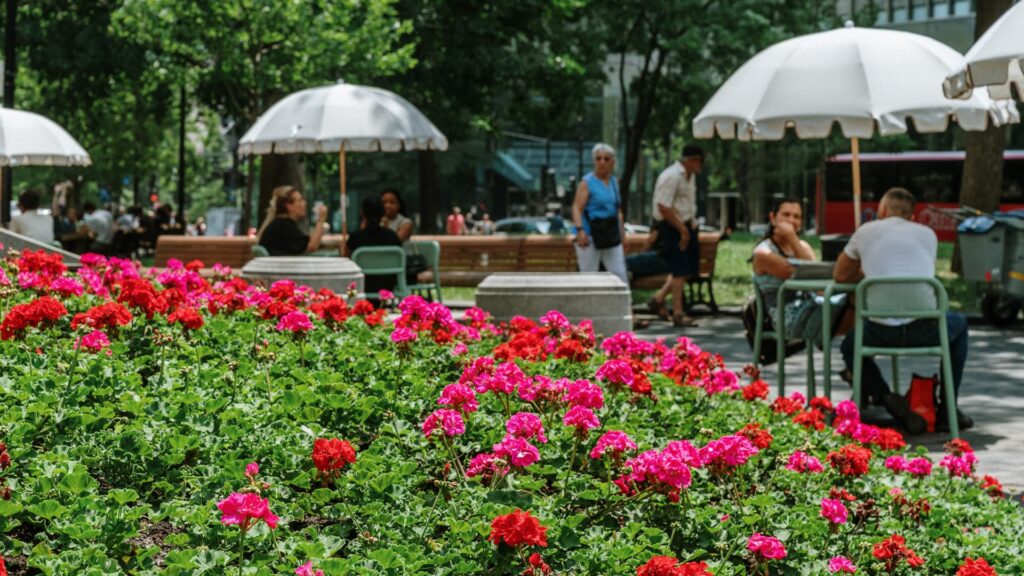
column 371, row 233
column 396, row 220
column 774, row 262
column 30, row 222
column 282, row 235
column 99, row 223
column 650, row 263
column 895, row 245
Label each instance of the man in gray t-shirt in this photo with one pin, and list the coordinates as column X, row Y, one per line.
column 895, row 245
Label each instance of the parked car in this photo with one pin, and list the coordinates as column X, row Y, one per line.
column 529, row 225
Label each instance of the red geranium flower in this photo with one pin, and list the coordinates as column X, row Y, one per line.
column 331, row 455
column 42, row 311
column 892, row 550
column 756, row 390
column 757, row 435
column 850, row 460
column 518, row 529
column 669, row 566
column 187, row 316
column 110, row 315
column 979, row 567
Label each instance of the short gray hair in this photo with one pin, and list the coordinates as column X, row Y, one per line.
column 602, row 147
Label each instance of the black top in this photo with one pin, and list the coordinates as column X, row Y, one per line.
column 376, row 236
column 283, row 238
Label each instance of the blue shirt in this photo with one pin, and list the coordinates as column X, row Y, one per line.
column 602, row 200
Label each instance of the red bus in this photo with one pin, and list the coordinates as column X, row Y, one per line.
column 933, row 178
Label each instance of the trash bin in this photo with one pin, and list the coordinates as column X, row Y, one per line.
column 832, row 246
column 982, row 246
column 1013, row 256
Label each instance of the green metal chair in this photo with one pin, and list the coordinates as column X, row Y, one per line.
column 383, row 261
column 431, row 250
column 259, row 251
column 900, row 305
column 761, row 334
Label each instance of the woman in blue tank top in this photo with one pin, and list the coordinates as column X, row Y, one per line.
column 597, row 209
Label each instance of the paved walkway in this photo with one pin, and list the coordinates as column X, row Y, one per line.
column 992, row 392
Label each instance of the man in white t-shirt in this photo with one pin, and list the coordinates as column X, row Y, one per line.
column 100, row 223
column 30, row 222
column 894, row 245
column 675, row 215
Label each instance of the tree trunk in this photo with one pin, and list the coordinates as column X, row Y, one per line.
column 982, row 183
column 429, row 201
column 277, row 170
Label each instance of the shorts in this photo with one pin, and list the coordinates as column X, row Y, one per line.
column 681, row 263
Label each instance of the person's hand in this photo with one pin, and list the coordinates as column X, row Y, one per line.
column 321, row 213
column 684, row 238
column 581, row 238
column 786, row 232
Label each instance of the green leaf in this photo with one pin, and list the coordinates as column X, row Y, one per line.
column 48, row 509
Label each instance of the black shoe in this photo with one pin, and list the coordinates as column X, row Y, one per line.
column 964, row 421
column 899, row 407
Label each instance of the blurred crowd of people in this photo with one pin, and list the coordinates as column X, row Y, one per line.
column 107, row 230
column 477, row 221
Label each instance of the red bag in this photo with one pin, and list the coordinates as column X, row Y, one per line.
column 921, row 398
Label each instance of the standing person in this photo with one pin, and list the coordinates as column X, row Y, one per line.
column 456, row 223
column 282, row 236
column 895, row 245
column 30, row 222
column 486, row 225
column 100, row 224
column 675, row 213
column 597, row 215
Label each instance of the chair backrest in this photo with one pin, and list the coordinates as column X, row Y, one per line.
column 431, row 250
column 259, row 251
column 904, row 302
column 382, row 261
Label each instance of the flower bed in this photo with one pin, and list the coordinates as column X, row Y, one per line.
column 166, row 423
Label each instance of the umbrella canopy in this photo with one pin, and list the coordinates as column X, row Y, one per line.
column 341, row 117
column 996, row 60
column 859, row 78
column 31, row 139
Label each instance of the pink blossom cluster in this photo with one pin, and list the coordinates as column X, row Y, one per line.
column 402, row 335
column 962, row 465
column 727, row 452
column 841, row 564
column 556, row 322
column 766, row 547
column 612, row 442
column 918, row 467
column 616, row 372
column 833, row 510
column 486, row 377
column 307, row 570
column 804, row 463
column 582, row 419
column 721, row 381
column 626, row 344
column 516, row 451
column 67, row 286
column 245, row 510
column 667, row 471
column 526, row 425
column 460, row 397
column 295, row 322
column 95, row 341
column 542, row 389
column 448, row 421
column 584, row 393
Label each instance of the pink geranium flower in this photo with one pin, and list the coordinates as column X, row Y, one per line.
column 526, row 425
column 448, row 421
column 919, row 467
column 841, row 564
column 766, row 547
column 833, row 510
column 516, row 451
column 307, row 570
column 584, row 393
column 245, row 510
column 403, row 335
column 460, row 397
column 616, row 372
column 581, row 418
column 729, row 451
column 295, row 322
column 252, row 469
column 612, row 442
column 95, row 341
column 804, row 463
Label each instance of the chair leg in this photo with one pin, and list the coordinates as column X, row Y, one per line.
column 812, row 390
column 711, row 296
column 858, row 360
column 947, row 381
column 895, row 374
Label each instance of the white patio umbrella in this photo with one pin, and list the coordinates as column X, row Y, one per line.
column 339, row 118
column 31, row 139
column 858, row 77
column 996, row 60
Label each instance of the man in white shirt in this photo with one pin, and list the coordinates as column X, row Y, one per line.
column 894, row 245
column 675, row 215
column 101, row 224
column 30, row 222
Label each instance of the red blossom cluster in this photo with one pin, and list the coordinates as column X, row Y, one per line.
column 107, row 316
column 330, row 455
column 187, row 316
column 554, row 336
column 850, row 460
column 5, row 463
column 333, row 311
column 669, row 566
column 140, row 295
column 756, row 390
column 46, row 265
column 893, row 550
column 39, row 313
column 518, row 529
column 757, row 435
column 976, row 567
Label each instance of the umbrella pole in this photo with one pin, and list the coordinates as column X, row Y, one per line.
column 855, row 163
column 344, row 218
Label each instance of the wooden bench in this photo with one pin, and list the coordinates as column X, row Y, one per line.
column 234, row 251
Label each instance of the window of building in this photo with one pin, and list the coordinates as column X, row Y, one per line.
column 883, row 12
column 918, row 10
column 900, row 11
column 962, row 7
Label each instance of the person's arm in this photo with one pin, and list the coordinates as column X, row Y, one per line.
column 318, row 229
column 405, row 231
column 579, row 204
column 847, row 269
column 772, row 264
